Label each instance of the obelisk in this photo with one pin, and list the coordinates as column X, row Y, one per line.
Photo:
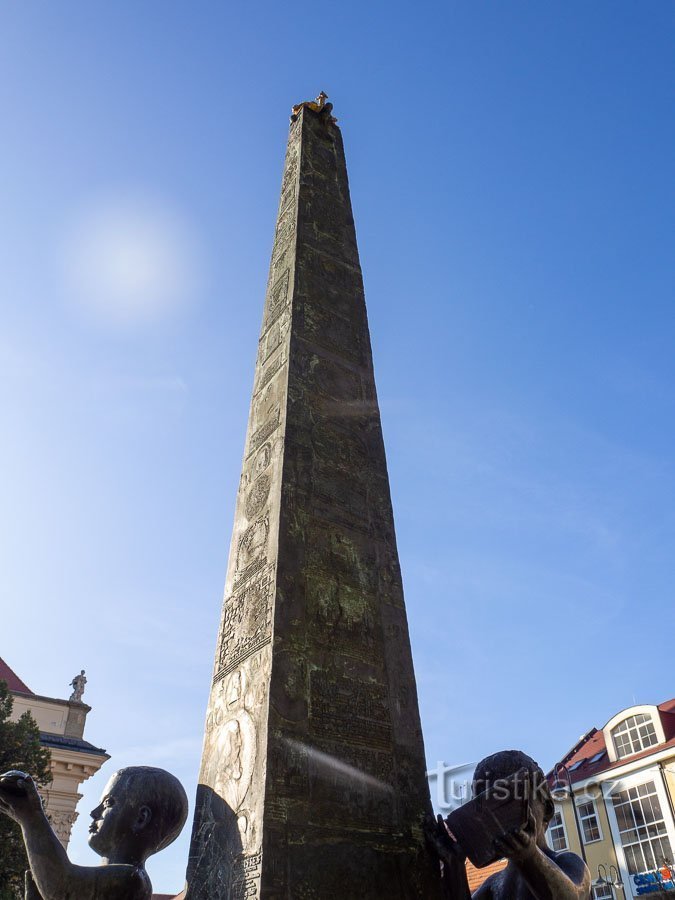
column 312, row 783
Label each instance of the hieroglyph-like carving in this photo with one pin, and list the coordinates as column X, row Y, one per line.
column 263, row 459
column 247, row 622
column 268, row 428
column 257, row 496
column 251, row 552
column 267, row 372
column 285, row 230
column 352, row 711
column 246, row 887
column 288, row 184
column 279, row 293
column 232, row 742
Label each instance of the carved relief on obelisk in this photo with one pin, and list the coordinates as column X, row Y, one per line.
column 313, row 782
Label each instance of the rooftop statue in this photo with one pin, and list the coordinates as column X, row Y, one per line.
column 508, row 787
column 77, row 684
column 141, row 812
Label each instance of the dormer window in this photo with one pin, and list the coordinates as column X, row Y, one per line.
column 634, row 734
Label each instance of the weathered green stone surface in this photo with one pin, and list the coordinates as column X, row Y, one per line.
column 313, row 782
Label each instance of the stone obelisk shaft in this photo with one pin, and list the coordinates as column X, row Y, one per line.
column 312, row 782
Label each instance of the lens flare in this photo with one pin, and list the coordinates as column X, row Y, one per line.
column 129, row 260
column 338, row 768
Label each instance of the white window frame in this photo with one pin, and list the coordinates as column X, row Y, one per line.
column 652, row 773
column 584, row 801
column 559, row 811
column 630, row 733
column 615, row 721
column 605, row 887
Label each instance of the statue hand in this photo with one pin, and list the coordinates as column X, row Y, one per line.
column 19, row 798
column 441, row 841
column 519, row 844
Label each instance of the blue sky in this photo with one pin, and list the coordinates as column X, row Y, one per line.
column 508, row 165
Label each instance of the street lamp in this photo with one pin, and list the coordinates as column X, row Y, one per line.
column 614, row 882
column 602, row 879
column 561, row 790
column 617, row 881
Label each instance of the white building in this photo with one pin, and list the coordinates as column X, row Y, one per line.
column 623, row 782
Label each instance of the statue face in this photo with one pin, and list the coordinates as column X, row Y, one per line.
column 117, row 819
column 538, row 807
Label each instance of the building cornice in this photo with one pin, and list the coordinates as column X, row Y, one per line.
column 644, row 762
column 71, row 704
column 74, row 757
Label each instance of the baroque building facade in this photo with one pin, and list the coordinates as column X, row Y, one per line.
column 73, row 760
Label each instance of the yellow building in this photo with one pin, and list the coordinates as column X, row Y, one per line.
column 73, row 760
column 615, row 793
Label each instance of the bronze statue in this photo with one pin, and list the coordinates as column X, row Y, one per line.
column 141, row 812
column 318, row 106
column 534, row 871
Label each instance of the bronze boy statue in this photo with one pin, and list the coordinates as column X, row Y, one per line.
column 534, row 871
column 142, row 811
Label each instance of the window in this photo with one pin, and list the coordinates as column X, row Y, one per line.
column 576, row 765
column 597, row 757
column 642, row 828
column 556, row 833
column 603, row 892
column 589, row 822
column 634, row 734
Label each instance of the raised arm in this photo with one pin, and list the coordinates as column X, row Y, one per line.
column 20, row 801
column 455, row 883
column 549, row 877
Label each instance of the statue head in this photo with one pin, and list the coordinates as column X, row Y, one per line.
column 141, row 812
column 502, row 766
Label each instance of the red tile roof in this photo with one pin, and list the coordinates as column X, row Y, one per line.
column 477, row 876
column 590, row 753
column 14, row 683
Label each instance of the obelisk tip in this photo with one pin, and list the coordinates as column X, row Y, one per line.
column 318, row 106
